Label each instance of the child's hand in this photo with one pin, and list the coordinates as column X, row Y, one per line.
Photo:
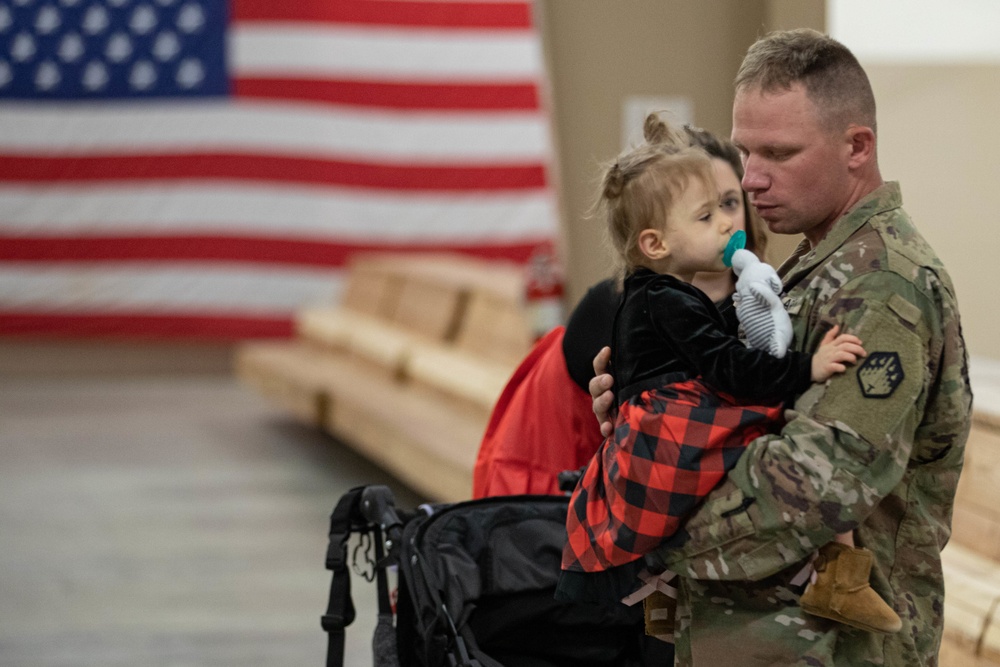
column 834, row 353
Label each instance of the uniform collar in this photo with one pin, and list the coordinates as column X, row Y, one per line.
column 801, row 262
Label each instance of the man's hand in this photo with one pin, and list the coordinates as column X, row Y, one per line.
column 600, row 390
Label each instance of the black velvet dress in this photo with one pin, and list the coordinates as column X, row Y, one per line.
column 690, row 396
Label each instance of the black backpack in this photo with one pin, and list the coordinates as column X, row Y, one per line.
column 475, row 588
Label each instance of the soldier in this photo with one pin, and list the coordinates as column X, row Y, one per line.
column 877, row 450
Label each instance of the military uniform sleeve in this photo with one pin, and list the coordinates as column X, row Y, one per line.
column 845, row 446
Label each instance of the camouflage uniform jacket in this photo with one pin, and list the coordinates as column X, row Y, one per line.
column 877, row 449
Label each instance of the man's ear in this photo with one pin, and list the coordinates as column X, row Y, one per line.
column 653, row 245
column 861, row 140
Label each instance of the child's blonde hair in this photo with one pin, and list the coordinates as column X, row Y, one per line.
column 639, row 188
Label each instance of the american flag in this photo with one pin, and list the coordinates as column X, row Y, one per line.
column 203, row 168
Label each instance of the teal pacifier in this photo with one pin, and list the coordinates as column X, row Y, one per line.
column 737, row 241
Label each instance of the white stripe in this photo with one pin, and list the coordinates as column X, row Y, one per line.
column 289, row 212
column 274, row 129
column 263, row 291
column 935, row 33
column 385, row 53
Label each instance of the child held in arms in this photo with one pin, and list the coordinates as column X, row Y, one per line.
column 690, row 395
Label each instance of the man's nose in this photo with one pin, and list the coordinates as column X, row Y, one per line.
column 754, row 179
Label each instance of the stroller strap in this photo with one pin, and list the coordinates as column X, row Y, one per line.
column 340, row 608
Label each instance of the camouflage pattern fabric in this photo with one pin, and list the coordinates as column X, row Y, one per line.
column 878, row 449
column 670, row 447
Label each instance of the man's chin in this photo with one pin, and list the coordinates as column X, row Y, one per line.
column 778, row 225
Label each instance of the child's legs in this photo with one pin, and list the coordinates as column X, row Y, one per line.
column 841, row 591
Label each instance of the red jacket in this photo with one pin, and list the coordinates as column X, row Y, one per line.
column 542, row 424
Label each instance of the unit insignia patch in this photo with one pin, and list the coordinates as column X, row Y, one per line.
column 880, row 374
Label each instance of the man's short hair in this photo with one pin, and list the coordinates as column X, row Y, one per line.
column 833, row 78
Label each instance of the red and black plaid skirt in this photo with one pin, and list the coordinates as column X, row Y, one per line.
column 671, row 446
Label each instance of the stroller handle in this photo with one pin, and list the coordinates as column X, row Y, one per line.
column 378, row 507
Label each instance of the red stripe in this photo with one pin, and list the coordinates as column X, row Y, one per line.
column 235, row 249
column 492, row 15
column 455, row 97
column 143, row 325
column 21, row 169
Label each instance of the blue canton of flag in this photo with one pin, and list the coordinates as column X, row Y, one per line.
column 97, row 49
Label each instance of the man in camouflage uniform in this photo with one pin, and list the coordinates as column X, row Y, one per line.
column 878, row 449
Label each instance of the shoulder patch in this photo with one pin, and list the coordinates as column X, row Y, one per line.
column 880, row 374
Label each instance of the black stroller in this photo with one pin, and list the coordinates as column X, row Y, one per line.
column 475, row 588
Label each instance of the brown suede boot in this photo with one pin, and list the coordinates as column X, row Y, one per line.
column 660, row 611
column 841, row 591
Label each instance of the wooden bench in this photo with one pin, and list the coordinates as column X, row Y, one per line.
column 407, row 367
column 972, row 558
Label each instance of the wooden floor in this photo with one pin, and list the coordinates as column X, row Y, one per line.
column 166, row 521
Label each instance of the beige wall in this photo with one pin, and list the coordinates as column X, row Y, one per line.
column 602, row 52
column 790, row 14
column 938, row 133
column 939, row 137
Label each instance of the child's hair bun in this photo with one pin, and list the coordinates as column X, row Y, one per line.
column 656, row 131
column 614, row 182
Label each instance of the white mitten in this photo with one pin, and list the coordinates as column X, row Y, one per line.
column 758, row 306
